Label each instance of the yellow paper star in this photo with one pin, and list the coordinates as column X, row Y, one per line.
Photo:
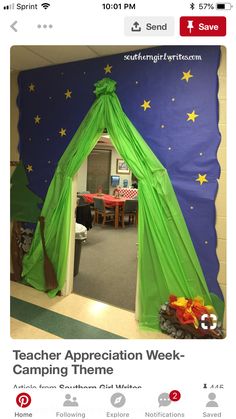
column 32, row 87
column 146, row 105
column 68, row 94
column 201, row 178
column 192, row 116
column 29, row 168
column 187, row 75
column 37, row 119
column 108, row 69
column 62, row 132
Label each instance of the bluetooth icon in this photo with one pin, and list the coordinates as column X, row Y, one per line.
column 192, row 6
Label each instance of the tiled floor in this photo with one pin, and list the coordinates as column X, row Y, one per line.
column 36, row 316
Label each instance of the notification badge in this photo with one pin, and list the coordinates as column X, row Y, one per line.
column 23, row 400
column 174, row 395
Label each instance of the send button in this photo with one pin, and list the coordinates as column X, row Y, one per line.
column 149, row 26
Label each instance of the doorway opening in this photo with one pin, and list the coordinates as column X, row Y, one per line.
column 107, row 270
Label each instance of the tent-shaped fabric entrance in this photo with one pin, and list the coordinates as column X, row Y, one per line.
column 167, row 261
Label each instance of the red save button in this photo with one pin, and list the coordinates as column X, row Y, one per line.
column 203, row 26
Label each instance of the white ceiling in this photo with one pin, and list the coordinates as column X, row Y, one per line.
column 27, row 57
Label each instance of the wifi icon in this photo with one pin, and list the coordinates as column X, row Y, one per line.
column 45, row 5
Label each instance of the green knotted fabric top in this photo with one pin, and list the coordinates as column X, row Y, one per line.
column 104, row 87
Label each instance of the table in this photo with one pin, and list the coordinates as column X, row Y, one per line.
column 110, row 201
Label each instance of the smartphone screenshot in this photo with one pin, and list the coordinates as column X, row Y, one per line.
column 118, row 267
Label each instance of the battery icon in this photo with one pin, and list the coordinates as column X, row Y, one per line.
column 224, row 6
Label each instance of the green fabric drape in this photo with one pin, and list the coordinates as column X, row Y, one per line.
column 168, row 263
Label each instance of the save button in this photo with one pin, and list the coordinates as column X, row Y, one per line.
column 203, row 26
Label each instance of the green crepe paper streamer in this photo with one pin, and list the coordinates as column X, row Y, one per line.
column 167, row 261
